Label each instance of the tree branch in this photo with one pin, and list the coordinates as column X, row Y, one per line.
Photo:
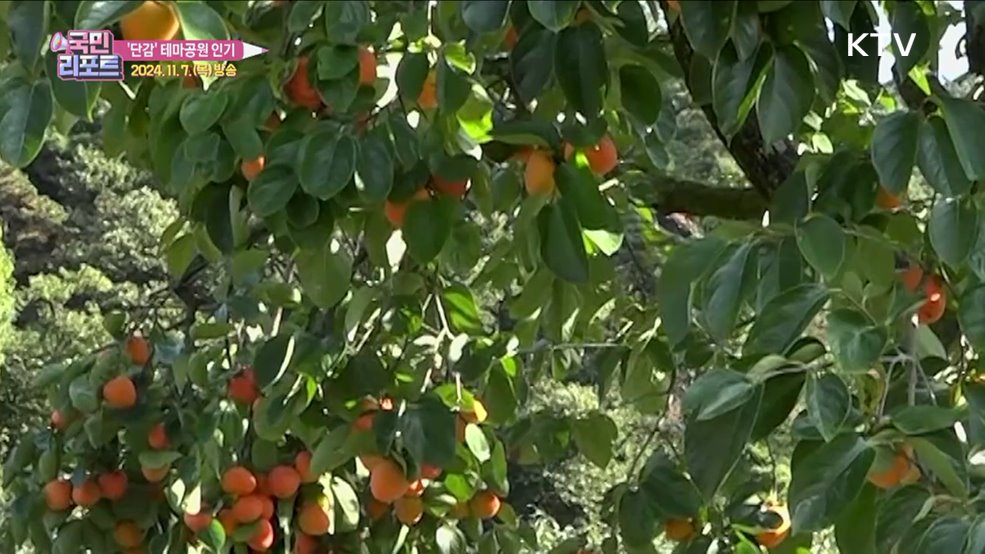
column 668, row 194
column 766, row 166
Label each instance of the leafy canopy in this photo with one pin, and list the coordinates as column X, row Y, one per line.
column 406, row 212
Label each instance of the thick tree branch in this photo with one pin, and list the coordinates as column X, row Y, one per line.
column 766, row 166
column 975, row 35
column 672, row 195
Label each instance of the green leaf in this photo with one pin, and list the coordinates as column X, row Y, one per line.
column 561, row 244
column 301, row 15
column 411, row 74
column 725, row 291
column 896, row 514
column 213, row 537
column 77, row 97
column 328, row 162
column 822, row 242
column 640, row 93
column 908, row 20
column 713, row 447
column 374, row 168
column 894, row 149
column 325, row 274
column 787, row 94
column 828, row 404
column 707, row 24
column 582, row 70
column 671, row 493
column 200, row 22
column 784, row 318
column 427, row 226
column 453, row 87
column 976, row 536
column 552, row 14
column 83, row 395
column 947, row 534
column 920, row 419
column 28, row 24
column 594, row 435
column 578, row 185
column 965, row 120
column 532, row 62
column 684, row 266
column 484, row 16
column 637, row 518
column 938, row 161
column 476, row 440
column 734, row 90
column 428, row 432
column 839, row 11
column 825, row 481
column 717, row 392
column 971, row 315
column 272, row 359
column 336, row 61
column 346, row 505
column 856, row 526
column 158, row 458
column 953, row 230
column 857, row 342
column 99, row 14
column 202, row 110
column 344, row 19
column 449, row 539
column 28, row 109
column 332, row 451
column 941, row 464
column 781, row 394
column 271, row 190
column 242, row 135
column 461, row 310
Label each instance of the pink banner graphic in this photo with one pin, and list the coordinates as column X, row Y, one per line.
column 185, row 50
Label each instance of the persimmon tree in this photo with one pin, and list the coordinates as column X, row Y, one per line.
column 405, row 212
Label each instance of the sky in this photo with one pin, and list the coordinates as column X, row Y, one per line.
column 951, row 66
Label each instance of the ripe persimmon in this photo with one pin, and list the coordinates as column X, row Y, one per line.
column 127, row 534
column 243, row 387
column 150, row 21
column 395, row 211
column 238, row 481
column 247, row 509
column 268, row 506
column 457, row 189
column 772, row 538
column 198, row 522
column 252, row 168
column 460, row 426
column 120, row 393
column 538, row 177
column 387, row 481
column 428, row 98
column 228, row 520
column 139, row 350
column 86, row 493
column 58, row 421
column 459, row 511
column 416, row 488
column 603, row 157
column 477, row 414
column 679, row 530
column 933, row 290
column 283, row 481
column 158, row 437
column 485, row 505
column 263, row 538
column 887, row 200
column 900, row 470
column 511, row 38
column 298, row 88
column 364, row 422
column 305, row 544
column 367, row 67
column 430, row 472
column 376, row 509
column 155, row 474
column 58, row 495
column 313, row 519
column 371, row 460
column 408, row 509
column 113, row 485
column 302, row 463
